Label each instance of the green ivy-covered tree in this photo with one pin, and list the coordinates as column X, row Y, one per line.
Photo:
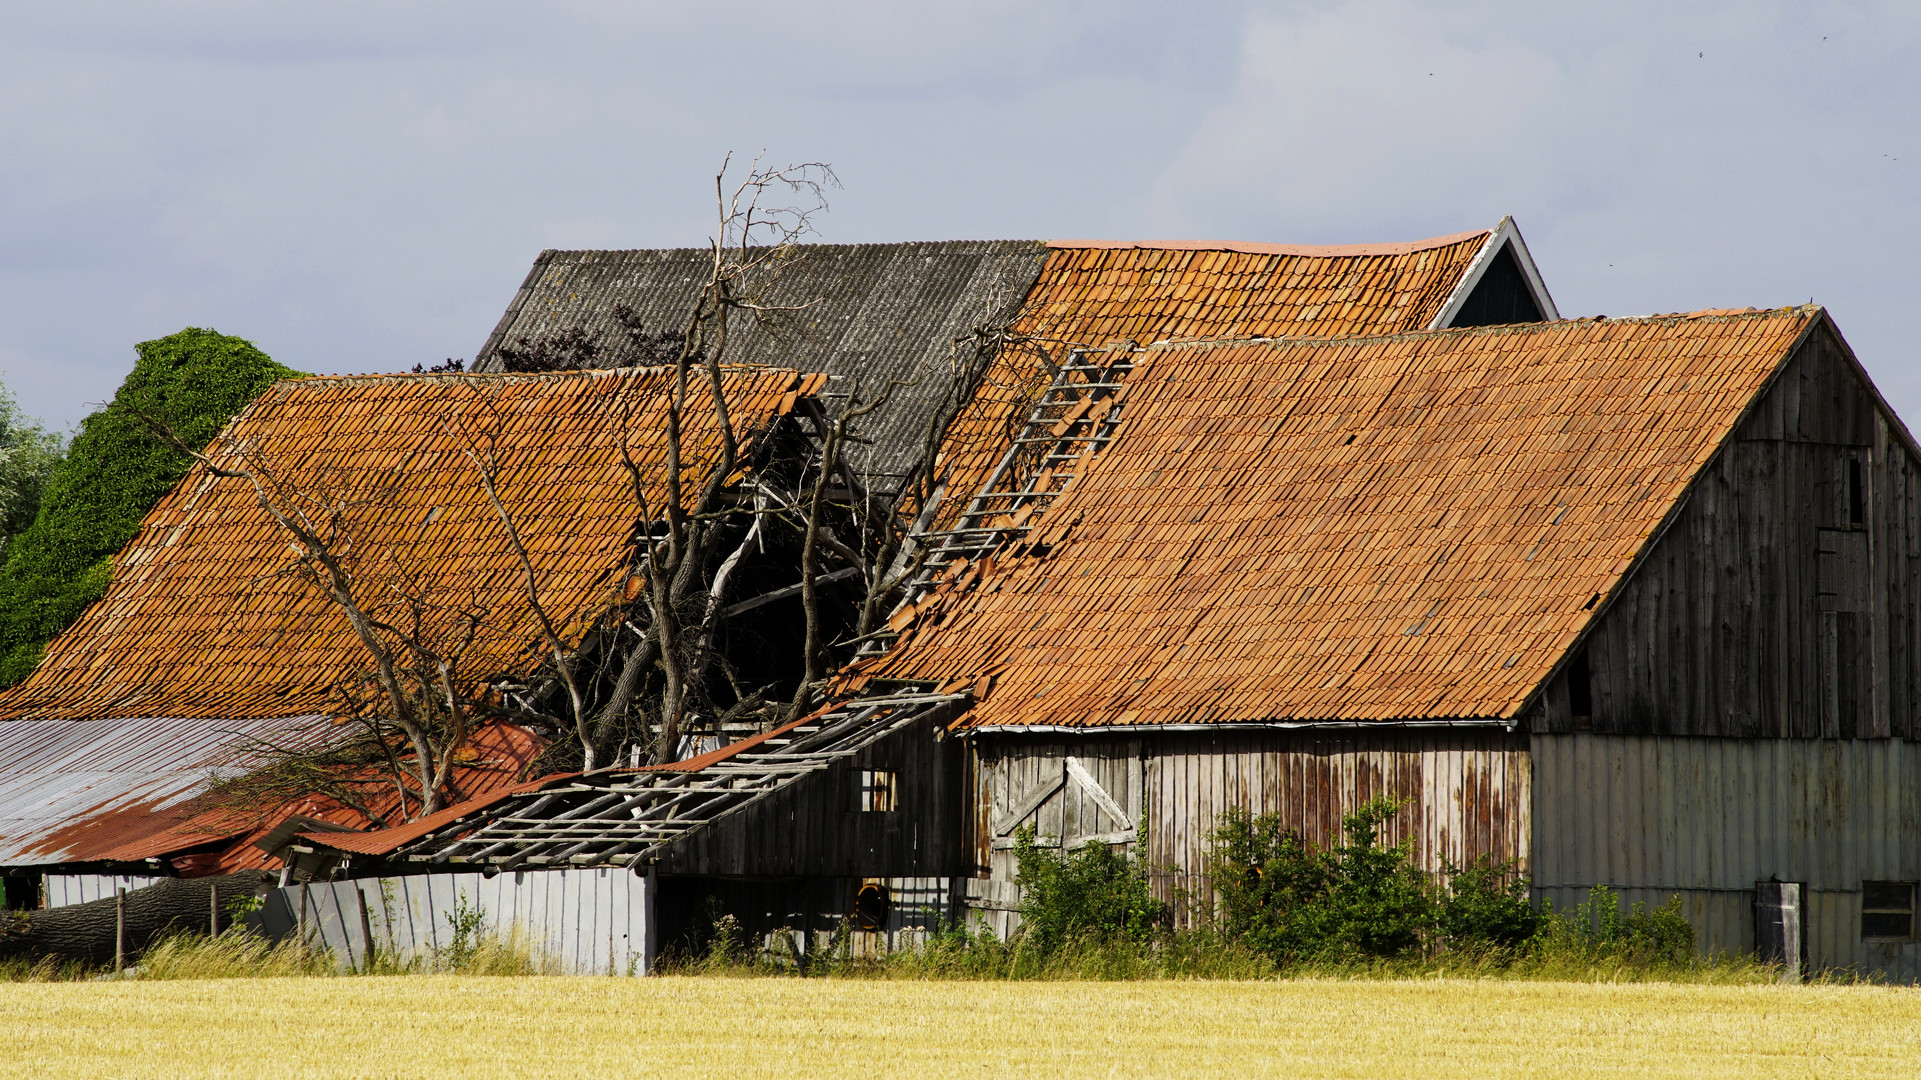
column 28, row 453
column 115, row 471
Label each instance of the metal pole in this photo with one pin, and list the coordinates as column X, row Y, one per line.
column 120, row 928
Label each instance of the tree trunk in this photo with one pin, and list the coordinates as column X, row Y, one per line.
column 85, row 932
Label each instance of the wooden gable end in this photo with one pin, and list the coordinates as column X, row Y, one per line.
column 1783, row 599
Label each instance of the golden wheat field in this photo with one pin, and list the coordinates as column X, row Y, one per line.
column 416, row 1026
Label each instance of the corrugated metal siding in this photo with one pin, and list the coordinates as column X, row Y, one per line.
column 1651, row 816
column 1467, row 790
column 57, row 775
column 577, row 922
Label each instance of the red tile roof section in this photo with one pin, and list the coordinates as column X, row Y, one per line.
column 203, row 618
column 1390, row 528
column 1094, row 293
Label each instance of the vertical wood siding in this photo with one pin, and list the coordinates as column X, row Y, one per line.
column 1466, row 790
column 1707, row 818
column 815, row 827
column 1766, row 611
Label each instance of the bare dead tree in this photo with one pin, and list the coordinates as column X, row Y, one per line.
column 415, row 637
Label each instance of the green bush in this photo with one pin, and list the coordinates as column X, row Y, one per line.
column 1486, row 906
column 1355, row 900
column 1597, row 930
column 115, row 471
column 1094, row 894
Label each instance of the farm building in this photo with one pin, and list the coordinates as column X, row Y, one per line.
column 211, row 649
column 810, row 816
column 1631, row 602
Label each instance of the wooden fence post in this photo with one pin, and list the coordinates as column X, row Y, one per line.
column 119, row 928
column 213, row 909
column 366, row 935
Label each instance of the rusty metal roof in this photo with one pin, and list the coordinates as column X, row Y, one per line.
column 1407, row 527
column 76, row 791
column 1095, row 293
column 204, row 618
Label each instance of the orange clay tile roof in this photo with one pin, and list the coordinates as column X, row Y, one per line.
column 203, row 617
column 1093, row 293
column 1403, row 527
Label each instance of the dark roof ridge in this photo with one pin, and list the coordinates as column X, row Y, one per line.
column 702, row 250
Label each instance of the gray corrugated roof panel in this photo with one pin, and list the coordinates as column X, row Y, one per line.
column 876, row 312
column 75, row 790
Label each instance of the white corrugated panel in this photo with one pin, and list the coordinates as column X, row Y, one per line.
column 574, row 921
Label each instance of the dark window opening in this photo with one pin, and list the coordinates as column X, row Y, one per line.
column 871, row 904
column 1857, row 499
column 1580, row 687
column 20, row 892
column 1887, row 910
column 876, row 790
column 1500, row 297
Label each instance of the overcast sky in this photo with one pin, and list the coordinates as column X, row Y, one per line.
column 362, row 186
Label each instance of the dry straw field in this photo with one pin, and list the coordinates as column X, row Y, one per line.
column 706, row 1026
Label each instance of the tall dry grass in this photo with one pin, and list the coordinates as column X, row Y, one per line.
column 1431, row 1029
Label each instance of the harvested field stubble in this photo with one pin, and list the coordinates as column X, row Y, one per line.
column 461, row 1026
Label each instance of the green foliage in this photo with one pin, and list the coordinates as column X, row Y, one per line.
column 1355, row 900
column 1094, row 894
column 1486, row 906
column 1596, row 930
column 28, row 454
column 114, row 472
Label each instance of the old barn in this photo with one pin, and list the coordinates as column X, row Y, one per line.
column 1630, row 602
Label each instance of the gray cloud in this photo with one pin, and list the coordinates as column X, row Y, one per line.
column 360, row 187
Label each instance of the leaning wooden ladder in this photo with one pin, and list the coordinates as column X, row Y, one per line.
column 1073, row 420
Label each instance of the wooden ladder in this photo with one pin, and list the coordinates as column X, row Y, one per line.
column 1073, row 420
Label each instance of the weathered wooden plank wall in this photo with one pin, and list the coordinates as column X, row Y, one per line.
column 816, row 827
column 575, row 921
column 1708, row 818
column 1466, row 790
column 1785, row 600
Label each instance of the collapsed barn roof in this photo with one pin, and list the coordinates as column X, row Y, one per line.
column 204, row 618
column 206, row 647
column 866, row 313
column 878, row 312
column 129, row 790
column 1398, row 528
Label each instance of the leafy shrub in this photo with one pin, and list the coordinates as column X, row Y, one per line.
column 115, row 471
column 1355, row 900
column 1093, row 894
column 1486, row 906
column 1596, row 929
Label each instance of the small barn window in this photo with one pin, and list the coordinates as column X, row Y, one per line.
column 1887, row 910
column 875, row 790
column 1580, row 687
